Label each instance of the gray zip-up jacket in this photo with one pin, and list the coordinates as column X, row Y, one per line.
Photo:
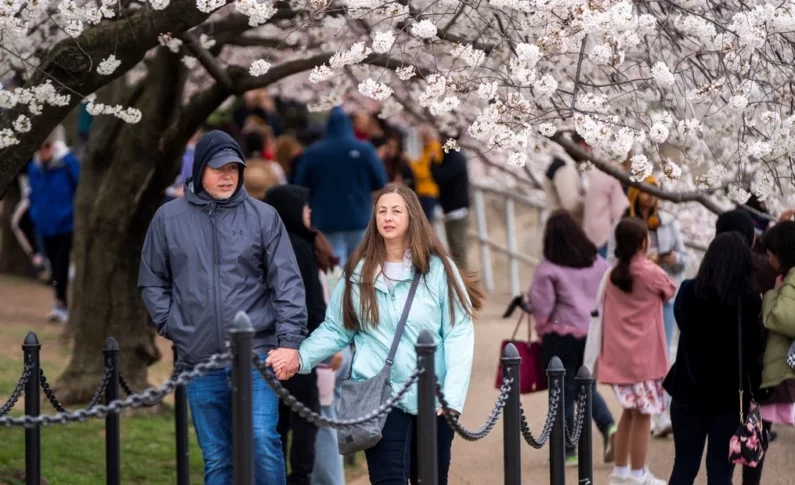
column 204, row 260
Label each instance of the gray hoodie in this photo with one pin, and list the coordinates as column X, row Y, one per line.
column 204, row 260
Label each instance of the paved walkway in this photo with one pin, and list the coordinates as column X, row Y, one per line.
column 480, row 463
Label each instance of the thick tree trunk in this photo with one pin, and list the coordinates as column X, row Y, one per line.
column 122, row 184
column 13, row 260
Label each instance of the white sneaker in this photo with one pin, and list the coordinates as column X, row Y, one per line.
column 646, row 479
column 59, row 315
column 618, row 480
column 661, row 425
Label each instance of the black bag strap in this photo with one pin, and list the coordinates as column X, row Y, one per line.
column 740, row 370
column 402, row 323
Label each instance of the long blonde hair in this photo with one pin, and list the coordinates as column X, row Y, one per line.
column 423, row 244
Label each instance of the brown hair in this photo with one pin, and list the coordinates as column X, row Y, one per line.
column 423, row 244
column 631, row 233
column 285, row 146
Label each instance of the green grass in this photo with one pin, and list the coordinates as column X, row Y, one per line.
column 75, row 454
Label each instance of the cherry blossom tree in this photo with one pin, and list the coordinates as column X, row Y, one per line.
column 710, row 82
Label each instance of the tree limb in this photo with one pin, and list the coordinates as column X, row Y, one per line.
column 207, row 60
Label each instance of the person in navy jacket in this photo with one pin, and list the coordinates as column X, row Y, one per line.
column 53, row 175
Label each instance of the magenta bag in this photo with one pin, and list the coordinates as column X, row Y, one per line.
column 532, row 375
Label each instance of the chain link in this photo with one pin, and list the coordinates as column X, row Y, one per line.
column 129, row 392
column 50, row 394
column 452, row 417
column 579, row 419
column 217, row 361
column 103, row 385
column 18, row 390
column 538, row 443
column 314, row 418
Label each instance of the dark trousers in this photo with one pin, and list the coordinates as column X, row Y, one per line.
column 428, row 207
column 58, row 249
column 691, row 430
column 392, row 461
column 301, row 454
column 571, row 350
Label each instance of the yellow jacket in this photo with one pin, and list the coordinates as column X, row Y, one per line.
column 424, row 184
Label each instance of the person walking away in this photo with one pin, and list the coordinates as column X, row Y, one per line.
column 175, row 191
column 398, row 244
column 667, row 249
column 634, row 356
column 764, row 280
column 207, row 256
column 704, row 395
column 424, row 184
column 292, row 204
column 603, row 205
column 563, row 188
column 452, row 178
column 562, row 296
column 288, row 155
column 53, row 176
column 341, row 174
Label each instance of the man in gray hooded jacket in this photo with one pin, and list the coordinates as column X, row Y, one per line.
column 207, row 256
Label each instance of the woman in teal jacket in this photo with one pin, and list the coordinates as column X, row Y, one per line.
column 365, row 309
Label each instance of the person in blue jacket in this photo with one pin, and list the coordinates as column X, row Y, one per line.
column 365, row 309
column 53, row 175
column 341, row 173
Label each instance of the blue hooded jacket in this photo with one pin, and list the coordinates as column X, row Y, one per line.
column 52, row 192
column 341, row 173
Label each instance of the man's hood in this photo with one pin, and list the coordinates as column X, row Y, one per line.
column 208, row 146
column 289, row 202
column 339, row 124
column 59, row 151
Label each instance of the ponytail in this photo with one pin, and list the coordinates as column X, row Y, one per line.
column 630, row 235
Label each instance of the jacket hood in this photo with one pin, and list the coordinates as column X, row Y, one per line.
column 289, row 202
column 59, row 151
column 339, row 124
column 208, row 146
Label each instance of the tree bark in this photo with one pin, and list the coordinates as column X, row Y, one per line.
column 13, row 260
column 121, row 187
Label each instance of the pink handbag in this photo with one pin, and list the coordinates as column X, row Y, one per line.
column 532, row 375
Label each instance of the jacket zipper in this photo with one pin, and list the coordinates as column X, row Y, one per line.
column 219, row 337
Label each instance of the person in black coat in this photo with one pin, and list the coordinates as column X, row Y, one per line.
column 292, row 204
column 710, row 311
column 452, row 178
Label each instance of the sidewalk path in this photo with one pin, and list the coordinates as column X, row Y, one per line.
column 480, row 463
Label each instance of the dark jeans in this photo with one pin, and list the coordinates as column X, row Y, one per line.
column 571, row 350
column 428, row 206
column 58, row 249
column 691, row 430
column 302, row 448
column 391, row 461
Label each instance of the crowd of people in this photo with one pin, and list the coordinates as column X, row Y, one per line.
column 610, row 292
column 318, row 235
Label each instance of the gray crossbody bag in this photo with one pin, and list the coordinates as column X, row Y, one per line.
column 359, row 398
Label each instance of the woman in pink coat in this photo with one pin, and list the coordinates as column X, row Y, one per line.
column 634, row 357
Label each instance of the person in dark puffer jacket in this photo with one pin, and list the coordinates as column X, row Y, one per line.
column 452, row 178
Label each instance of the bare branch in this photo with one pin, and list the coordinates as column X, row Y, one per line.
column 208, row 61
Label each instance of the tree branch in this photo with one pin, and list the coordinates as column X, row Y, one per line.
column 207, row 60
column 579, row 155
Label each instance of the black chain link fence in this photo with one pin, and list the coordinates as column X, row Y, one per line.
column 452, row 417
column 18, row 390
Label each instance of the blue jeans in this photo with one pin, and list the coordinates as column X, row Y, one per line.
column 391, row 461
column 603, row 251
column 344, row 243
column 329, row 469
column 669, row 321
column 210, row 399
column 428, row 207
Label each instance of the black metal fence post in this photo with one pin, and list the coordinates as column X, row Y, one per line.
column 31, row 349
column 585, row 446
column 181, row 422
column 512, row 421
column 427, row 443
column 557, row 440
column 112, row 424
column 242, row 408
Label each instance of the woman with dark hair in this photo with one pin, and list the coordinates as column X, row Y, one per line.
column 562, row 296
column 634, row 355
column 705, row 405
column 778, row 316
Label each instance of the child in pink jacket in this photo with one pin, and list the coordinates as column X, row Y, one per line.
column 634, row 357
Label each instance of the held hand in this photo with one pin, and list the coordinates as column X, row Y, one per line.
column 37, row 260
column 336, row 361
column 284, row 362
column 452, row 412
column 669, row 259
column 779, row 282
column 654, row 258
